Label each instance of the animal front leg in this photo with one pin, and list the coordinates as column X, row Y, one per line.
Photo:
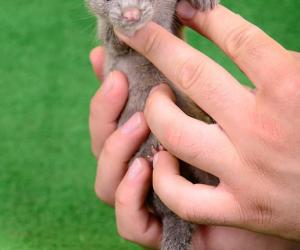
column 204, row 5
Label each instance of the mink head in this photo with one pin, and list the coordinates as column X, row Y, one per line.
column 126, row 16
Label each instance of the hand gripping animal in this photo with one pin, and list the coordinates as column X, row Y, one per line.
column 127, row 16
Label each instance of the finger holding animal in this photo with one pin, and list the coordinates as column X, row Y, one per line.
column 127, row 17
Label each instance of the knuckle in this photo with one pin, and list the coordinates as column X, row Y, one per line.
column 126, row 234
column 109, row 148
column 130, row 232
column 190, row 72
column 121, row 199
column 173, row 136
column 156, row 99
column 152, row 43
column 94, row 105
column 102, row 195
column 123, row 231
column 257, row 211
column 241, row 40
column 262, row 213
column 151, row 104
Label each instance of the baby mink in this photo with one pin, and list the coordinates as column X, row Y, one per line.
column 127, row 16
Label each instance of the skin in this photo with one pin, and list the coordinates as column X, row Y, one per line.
column 126, row 190
column 248, row 125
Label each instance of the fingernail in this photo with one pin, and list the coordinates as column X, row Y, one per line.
column 134, row 170
column 132, row 124
column 108, row 84
column 185, row 10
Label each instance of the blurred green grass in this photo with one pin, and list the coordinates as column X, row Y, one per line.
column 46, row 168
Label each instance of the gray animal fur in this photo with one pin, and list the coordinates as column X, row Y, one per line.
column 142, row 77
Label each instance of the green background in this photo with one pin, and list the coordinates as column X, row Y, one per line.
column 46, row 167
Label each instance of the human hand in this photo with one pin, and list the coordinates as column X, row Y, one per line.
column 254, row 149
column 113, row 147
column 127, row 190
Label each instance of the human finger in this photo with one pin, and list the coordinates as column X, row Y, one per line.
column 201, row 204
column 135, row 222
column 296, row 55
column 202, row 145
column 202, row 79
column 256, row 53
column 105, row 108
column 118, row 149
column 97, row 60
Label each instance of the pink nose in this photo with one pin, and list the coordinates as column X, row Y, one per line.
column 132, row 14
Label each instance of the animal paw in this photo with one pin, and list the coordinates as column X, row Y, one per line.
column 204, row 5
column 154, row 150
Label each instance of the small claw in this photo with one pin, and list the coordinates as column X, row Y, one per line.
column 153, row 150
column 161, row 147
column 149, row 158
